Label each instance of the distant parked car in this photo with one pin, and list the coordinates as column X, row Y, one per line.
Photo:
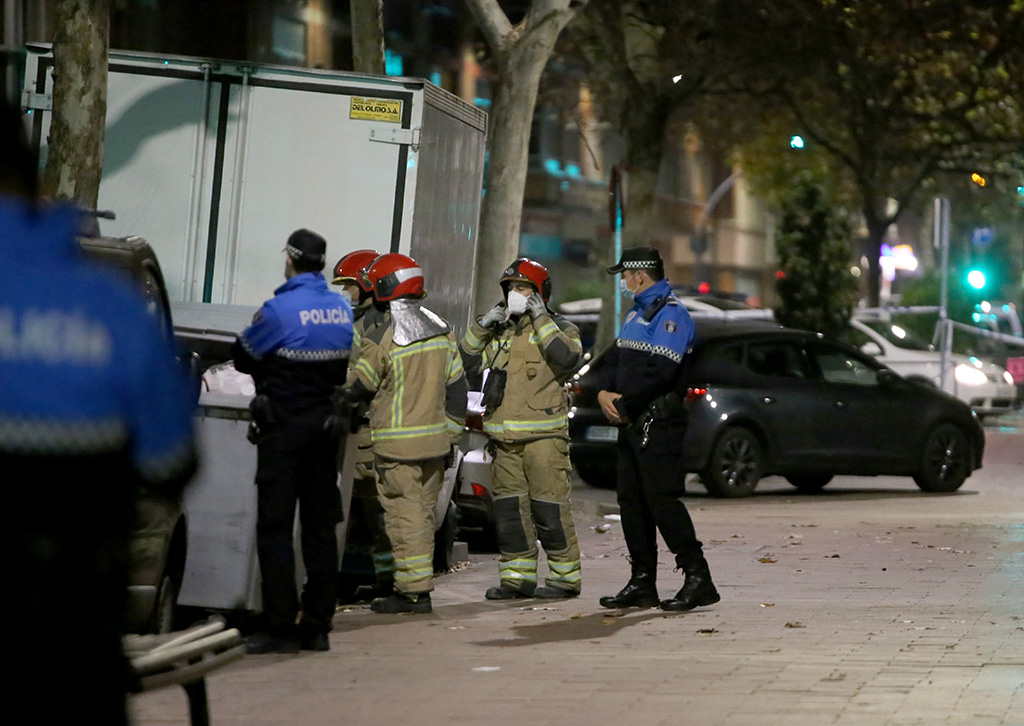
column 158, row 544
column 987, row 388
column 762, row 399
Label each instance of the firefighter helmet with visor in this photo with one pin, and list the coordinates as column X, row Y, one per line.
column 350, row 268
column 526, row 270
column 394, row 275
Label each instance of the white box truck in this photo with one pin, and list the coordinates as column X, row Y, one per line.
column 215, row 163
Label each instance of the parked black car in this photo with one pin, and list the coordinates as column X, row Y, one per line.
column 763, row 400
column 159, row 540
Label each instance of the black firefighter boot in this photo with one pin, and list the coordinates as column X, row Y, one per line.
column 640, row 592
column 697, row 590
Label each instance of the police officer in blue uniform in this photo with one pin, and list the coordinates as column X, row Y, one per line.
column 93, row 410
column 638, row 393
column 297, row 350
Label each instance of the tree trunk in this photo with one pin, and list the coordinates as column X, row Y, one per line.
column 367, row 36
column 876, row 235
column 521, row 53
column 74, row 161
column 644, row 133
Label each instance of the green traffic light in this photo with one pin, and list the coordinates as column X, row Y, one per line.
column 976, row 279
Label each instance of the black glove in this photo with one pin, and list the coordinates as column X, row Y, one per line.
column 344, row 415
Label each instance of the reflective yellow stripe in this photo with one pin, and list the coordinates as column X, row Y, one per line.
column 547, row 330
column 565, row 571
column 363, row 367
column 518, row 570
column 472, row 343
column 454, row 366
column 405, row 432
column 549, row 424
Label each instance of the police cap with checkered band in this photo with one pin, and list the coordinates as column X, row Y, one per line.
column 639, row 258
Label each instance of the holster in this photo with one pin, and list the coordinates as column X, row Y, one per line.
column 263, row 418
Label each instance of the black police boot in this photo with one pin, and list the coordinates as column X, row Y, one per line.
column 697, row 590
column 640, row 592
column 400, row 603
column 264, row 642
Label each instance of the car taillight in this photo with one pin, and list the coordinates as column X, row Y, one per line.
column 475, row 421
column 478, row 490
column 694, row 393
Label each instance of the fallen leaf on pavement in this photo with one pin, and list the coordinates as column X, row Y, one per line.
column 795, row 624
column 766, row 559
column 767, row 604
column 707, row 631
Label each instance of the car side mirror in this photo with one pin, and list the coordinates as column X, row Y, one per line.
column 871, row 348
column 885, row 377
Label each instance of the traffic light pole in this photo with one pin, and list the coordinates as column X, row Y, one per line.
column 940, row 228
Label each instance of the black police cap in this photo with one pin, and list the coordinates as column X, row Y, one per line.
column 637, row 258
column 307, row 247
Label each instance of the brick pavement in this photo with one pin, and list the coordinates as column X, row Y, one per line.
column 869, row 604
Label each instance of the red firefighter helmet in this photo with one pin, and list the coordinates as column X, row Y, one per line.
column 526, row 270
column 393, row 276
column 350, row 268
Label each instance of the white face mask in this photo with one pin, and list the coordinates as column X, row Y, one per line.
column 516, row 302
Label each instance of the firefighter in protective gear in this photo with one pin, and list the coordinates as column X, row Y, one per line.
column 533, row 351
column 297, row 350
column 370, row 323
column 414, row 374
column 637, row 392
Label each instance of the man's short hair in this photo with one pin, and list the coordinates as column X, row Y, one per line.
column 307, row 250
column 19, row 166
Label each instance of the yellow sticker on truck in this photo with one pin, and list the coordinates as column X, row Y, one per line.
column 376, row 109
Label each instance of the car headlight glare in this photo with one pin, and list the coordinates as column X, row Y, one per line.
column 969, row 375
column 1007, row 377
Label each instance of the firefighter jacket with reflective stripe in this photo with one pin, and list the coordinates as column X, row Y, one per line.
column 86, row 374
column 369, row 329
column 297, row 347
column 419, row 395
column 538, row 355
column 646, row 360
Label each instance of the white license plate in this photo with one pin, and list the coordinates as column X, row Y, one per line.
column 602, row 433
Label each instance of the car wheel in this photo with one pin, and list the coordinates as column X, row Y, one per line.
column 735, row 465
column 444, row 540
column 601, row 477
column 163, row 619
column 945, row 460
column 809, row 482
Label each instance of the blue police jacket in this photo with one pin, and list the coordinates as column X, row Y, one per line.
column 85, row 371
column 298, row 345
column 646, row 360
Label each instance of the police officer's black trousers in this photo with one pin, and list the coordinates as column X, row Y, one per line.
column 650, row 484
column 297, row 465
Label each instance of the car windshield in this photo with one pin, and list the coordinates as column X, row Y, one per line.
column 722, row 304
column 900, row 337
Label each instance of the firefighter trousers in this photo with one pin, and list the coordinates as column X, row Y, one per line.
column 531, row 501
column 366, row 504
column 408, row 492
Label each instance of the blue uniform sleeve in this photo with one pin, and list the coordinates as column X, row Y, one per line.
column 673, row 332
column 264, row 335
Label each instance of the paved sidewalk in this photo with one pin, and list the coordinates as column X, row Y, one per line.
column 871, row 603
